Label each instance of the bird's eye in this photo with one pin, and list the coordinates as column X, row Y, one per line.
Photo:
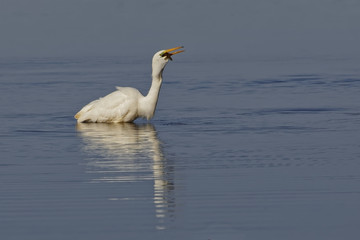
column 162, row 54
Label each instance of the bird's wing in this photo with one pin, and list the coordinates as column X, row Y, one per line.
column 111, row 108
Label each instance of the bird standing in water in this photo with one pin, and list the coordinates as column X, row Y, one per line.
column 127, row 104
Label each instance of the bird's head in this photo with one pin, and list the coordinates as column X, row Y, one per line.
column 163, row 56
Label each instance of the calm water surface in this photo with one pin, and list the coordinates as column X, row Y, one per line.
column 238, row 149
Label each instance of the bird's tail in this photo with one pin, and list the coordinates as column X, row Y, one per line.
column 85, row 109
column 77, row 116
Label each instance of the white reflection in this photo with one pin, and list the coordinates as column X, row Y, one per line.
column 130, row 152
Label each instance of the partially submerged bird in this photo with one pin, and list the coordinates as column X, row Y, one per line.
column 127, row 104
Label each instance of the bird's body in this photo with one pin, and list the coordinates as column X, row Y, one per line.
column 119, row 106
column 126, row 104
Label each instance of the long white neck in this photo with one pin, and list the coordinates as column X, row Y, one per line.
column 148, row 104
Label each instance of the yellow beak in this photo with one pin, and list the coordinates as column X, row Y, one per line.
column 173, row 49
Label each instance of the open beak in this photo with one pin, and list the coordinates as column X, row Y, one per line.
column 170, row 52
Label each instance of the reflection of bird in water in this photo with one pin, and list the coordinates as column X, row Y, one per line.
column 130, row 152
column 126, row 104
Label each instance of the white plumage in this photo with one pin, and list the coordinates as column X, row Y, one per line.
column 126, row 104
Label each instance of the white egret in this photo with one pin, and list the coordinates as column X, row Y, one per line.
column 126, row 104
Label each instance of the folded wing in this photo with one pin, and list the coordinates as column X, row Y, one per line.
column 118, row 106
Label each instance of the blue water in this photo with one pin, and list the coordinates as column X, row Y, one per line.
column 261, row 148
